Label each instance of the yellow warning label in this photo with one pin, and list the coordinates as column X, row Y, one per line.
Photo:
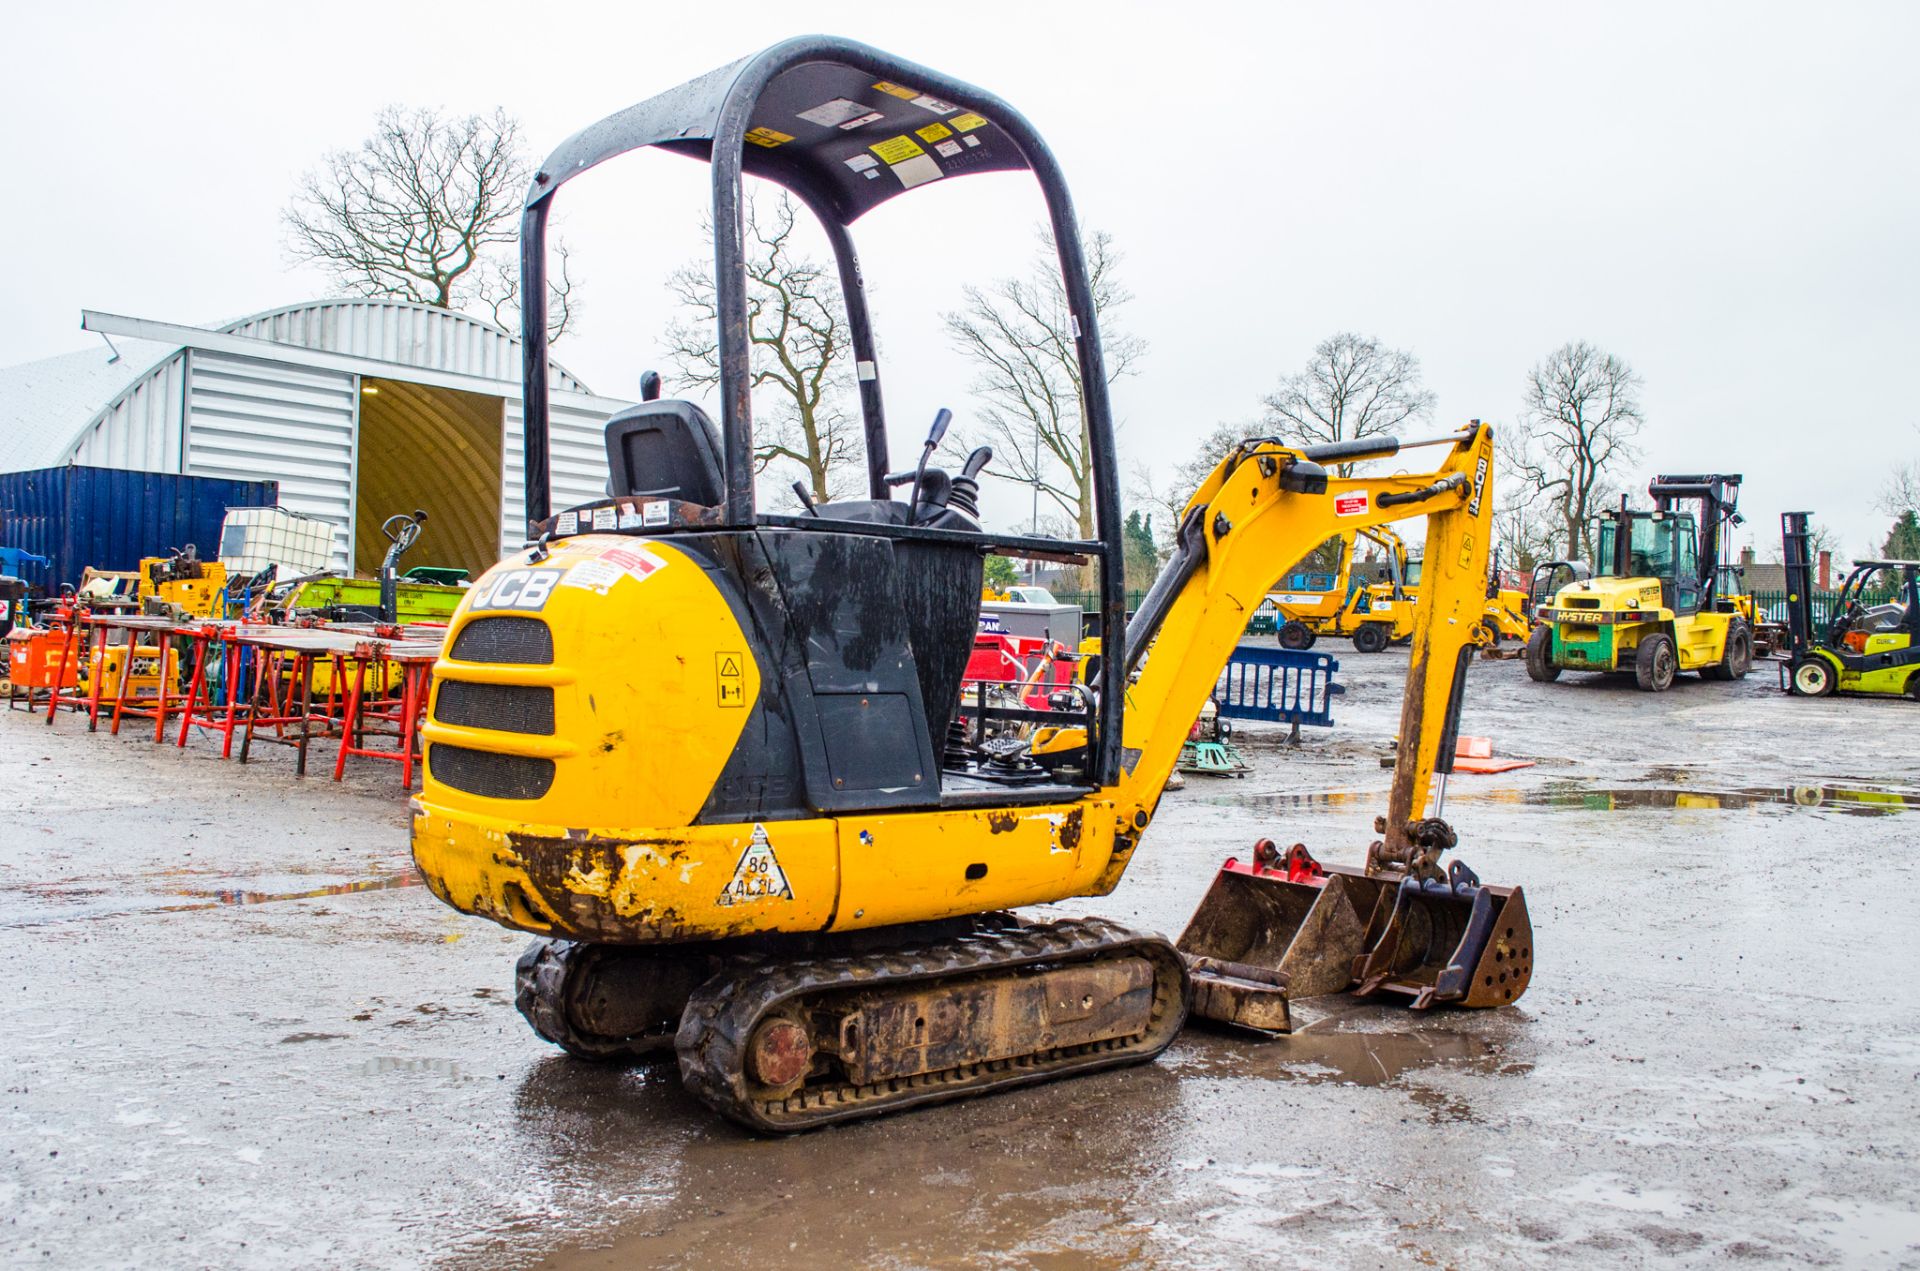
column 894, row 90
column 967, row 122
column 730, row 678
column 933, row 132
column 897, row 149
column 769, row 137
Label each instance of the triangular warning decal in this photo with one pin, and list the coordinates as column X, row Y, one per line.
column 729, row 667
column 758, row 876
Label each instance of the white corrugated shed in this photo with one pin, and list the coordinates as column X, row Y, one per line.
column 278, row 396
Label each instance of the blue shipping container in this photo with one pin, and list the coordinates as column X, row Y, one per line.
column 110, row 518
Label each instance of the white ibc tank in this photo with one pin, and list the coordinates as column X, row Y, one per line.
column 253, row 538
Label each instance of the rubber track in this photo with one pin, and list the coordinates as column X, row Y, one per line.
column 541, row 991
column 724, row 1011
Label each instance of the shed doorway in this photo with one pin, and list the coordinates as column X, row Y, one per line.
column 437, row 450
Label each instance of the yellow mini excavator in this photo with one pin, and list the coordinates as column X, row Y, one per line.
column 706, row 754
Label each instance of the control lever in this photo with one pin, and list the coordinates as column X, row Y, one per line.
column 941, row 419
column 965, row 496
column 806, row 500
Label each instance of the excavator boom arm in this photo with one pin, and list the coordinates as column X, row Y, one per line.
column 1262, row 509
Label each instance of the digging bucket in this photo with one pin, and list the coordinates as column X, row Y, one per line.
column 1276, row 928
column 1458, row 941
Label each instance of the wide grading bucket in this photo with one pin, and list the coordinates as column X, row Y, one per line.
column 1281, row 927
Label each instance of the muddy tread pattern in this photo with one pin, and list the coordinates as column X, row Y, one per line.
column 543, row 982
column 723, row 1013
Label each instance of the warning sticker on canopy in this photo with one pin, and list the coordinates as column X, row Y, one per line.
column 1354, row 504
column 897, row 149
column 917, row 171
column 835, row 113
column 758, row 876
column 895, row 90
column 934, row 132
column 967, row 122
column 768, row 137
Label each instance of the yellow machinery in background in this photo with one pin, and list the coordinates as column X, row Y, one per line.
column 1654, row 604
column 1373, row 615
column 705, row 753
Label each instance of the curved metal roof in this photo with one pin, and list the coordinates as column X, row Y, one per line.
column 49, row 406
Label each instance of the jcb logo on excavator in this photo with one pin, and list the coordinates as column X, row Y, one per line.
column 515, row 589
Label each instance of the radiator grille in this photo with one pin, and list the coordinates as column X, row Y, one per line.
column 506, row 708
column 522, row 641
column 489, row 775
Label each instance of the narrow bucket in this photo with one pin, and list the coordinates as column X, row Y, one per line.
column 1460, row 942
column 1273, row 929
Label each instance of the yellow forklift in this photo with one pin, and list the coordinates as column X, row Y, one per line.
column 706, row 753
column 1653, row 605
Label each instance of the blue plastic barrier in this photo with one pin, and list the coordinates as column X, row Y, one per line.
column 1281, row 686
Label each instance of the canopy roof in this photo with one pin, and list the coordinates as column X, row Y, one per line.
column 842, row 126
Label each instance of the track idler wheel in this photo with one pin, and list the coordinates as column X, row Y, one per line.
column 606, row 1002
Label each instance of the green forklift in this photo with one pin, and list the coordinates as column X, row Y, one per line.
column 1872, row 639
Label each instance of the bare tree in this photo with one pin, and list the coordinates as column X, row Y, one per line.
column 1019, row 333
column 497, row 287
column 801, row 350
column 1900, row 493
column 1522, row 533
column 1352, row 387
column 425, row 209
column 1578, row 422
column 1169, row 498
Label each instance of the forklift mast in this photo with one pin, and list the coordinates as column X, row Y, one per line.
column 1719, row 498
column 1796, row 553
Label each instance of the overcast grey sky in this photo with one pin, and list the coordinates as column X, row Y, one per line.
column 1723, row 194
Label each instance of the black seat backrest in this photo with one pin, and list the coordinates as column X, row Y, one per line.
column 667, row 449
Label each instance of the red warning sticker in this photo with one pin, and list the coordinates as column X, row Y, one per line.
column 1354, row 504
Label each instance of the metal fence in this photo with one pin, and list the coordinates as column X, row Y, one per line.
column 1283, row 686
column 1771, row 606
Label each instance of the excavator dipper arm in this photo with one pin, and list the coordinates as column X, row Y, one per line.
column 1259, row 512
column 1280, row 928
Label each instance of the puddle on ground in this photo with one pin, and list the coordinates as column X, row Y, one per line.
column 1348, row 1058
column 205, row 898
column 1855, row 800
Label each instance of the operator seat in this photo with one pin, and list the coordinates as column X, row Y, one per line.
column 667, row 450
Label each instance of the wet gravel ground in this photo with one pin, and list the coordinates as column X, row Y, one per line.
column 237, row 1033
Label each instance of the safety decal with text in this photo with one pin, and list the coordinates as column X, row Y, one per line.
column 758, row 876
column 897, row 149
column 1354, row 504
column 514, row 589
column 768, row 137
column 730, row 678
column 599, row 573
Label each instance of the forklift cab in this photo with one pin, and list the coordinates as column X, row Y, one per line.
column 1657, row 545
column 861, row 613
